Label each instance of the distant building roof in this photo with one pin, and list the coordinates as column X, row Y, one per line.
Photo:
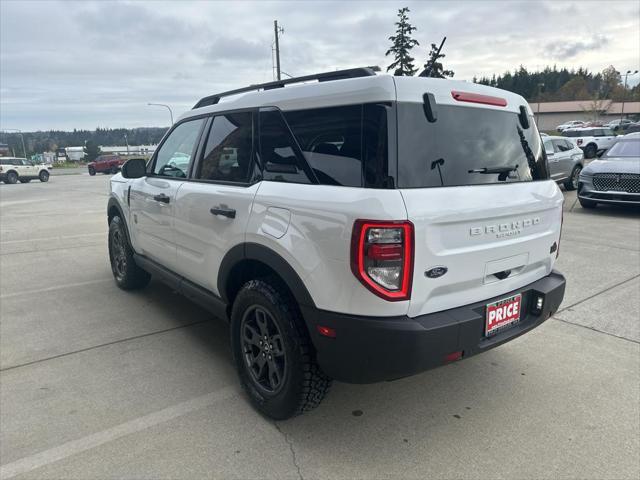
column 606, row 106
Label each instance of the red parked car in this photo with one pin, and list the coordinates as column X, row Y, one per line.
column 105, row 164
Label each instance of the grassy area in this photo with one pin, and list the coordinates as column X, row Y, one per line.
column 69, row 165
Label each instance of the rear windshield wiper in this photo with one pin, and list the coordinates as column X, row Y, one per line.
column 505, row 169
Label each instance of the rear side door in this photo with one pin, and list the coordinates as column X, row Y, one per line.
column 553, row 157
column 152, row 198
column 212, row 209
column 564, row 162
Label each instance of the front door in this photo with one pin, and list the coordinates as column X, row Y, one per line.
column 152, row 198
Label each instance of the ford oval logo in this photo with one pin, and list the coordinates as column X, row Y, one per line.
column 436, row 272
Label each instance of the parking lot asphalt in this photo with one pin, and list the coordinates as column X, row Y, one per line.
column 100, row 383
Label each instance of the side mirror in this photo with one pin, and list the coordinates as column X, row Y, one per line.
column 134, row 168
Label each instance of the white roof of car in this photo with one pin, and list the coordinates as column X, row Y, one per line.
column 378, row 88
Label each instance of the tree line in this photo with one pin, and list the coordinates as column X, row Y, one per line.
column 50, row 141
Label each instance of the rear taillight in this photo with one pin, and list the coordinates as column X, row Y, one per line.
column 382, row 257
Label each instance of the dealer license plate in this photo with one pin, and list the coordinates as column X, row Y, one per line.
column 502, row 314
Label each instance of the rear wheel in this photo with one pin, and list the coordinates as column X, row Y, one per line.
column 92, row 171
column 12, row 177
column 587, row 203
column 590, row 151
column 127, row 273
column 572, row 181
column 273, row 353
column 44, row 176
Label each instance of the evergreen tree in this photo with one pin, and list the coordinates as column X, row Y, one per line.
column 436, row 70
column 91, row 151
column 402, row 43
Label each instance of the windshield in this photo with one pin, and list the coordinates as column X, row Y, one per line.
column 625, row 148
column 466, row 146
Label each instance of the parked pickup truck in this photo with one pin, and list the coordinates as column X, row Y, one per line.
column 105, row 164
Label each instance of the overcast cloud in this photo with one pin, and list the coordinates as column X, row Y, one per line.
column 66, row 64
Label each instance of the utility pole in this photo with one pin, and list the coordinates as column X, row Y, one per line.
column 624, row 94
column 277, row 31
column 540, row 87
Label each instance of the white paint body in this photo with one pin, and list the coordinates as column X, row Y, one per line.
column 310, row 226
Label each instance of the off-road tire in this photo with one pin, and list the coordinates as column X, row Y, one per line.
column 92, row 171
column 11, row 178
column 587, row 203
column 304, row 385
column 127, row 274
column 114, row 170
column 572, row 181
column 43, row 176
column 590, row 151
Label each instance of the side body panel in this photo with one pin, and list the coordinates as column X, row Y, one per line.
column 310, row 226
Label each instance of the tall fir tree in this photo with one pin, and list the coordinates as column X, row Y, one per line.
column 402, row 43
column 436, row 70
column 91, row 151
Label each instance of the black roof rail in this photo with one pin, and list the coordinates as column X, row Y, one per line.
column 321, row 77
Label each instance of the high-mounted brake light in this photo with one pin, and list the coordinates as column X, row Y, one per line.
column 382, row 257
column 477, row 98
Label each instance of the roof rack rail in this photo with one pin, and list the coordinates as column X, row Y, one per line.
column 321, row 77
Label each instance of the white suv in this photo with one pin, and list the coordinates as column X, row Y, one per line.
column 354, row 227
column 13, row 169
column 592, row 140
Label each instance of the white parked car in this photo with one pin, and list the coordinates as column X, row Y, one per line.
column 13, row 169
column 361, row 227
column 570, row 124
column 592, row 140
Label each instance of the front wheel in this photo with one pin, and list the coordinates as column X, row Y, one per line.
column 273, row 353
column 114, row 170
column 44, row 176
column 127, row 273
column 92, row 171
column 572, row 181
column 11, row 178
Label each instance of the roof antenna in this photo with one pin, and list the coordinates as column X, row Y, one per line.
column 427, row 71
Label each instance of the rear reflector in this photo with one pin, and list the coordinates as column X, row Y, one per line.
column 326, row 331
column 477, row 98
column 452, row 357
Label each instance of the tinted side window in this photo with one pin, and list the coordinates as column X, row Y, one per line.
column 331, row 141
column 229, row 150
column 174, row 156
column 279, row 154
column 561, row 145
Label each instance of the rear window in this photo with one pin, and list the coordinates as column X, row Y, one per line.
column 466, row 146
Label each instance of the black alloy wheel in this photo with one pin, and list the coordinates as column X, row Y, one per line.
column 263, row 349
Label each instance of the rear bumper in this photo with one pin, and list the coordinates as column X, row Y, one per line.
column 373, row 349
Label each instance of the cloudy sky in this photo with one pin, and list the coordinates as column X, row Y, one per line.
column 67, row 64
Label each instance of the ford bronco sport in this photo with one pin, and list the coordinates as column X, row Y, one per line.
column 349, row 225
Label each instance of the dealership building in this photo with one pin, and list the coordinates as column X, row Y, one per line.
column 551, row 114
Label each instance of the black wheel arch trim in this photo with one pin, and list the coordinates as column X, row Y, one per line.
column 113, row 203
column 265, row 255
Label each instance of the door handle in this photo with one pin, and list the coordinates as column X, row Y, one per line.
column 224, row 211
column 161, row 198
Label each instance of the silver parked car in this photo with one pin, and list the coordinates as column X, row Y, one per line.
column 566, row 160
